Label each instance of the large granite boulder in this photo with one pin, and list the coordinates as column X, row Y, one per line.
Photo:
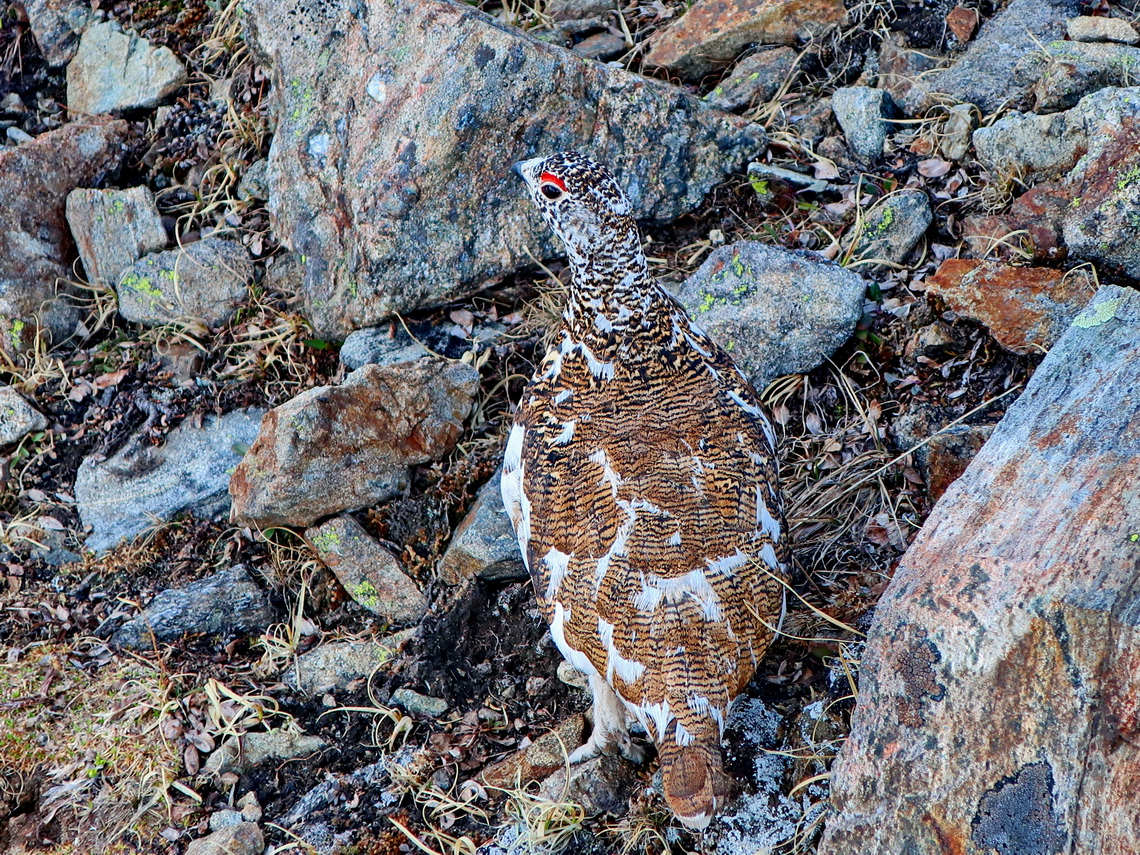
column 398, row 123
column 999, row 697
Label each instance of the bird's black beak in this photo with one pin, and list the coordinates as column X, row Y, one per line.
column 517, row 169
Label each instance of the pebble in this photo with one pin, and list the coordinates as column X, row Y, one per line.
column 18, row 418
column 864, row 114
column 419, row 705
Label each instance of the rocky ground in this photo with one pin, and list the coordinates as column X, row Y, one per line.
column 268, row 291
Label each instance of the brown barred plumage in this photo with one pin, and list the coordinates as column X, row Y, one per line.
column 641, row 478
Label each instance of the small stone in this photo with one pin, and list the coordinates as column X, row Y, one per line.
column 384, row 418
column 540, row 759
column 600, row 785
column 241, row 753
column 776, row 312
column 225, row 819
column 250, row 807
column 796, row 179
column 1088, row 28
column 339, row 663
column 243, row 839
column 419, row 705
column 571, row 10
column 1034, row 145
column 601, row 46
column 18, row 418
column 963, row 23
column 56, row 25
column 864, row 114
column 484, row 545
column 370, row 574
column 571, row 676
column 954, row 142
column 1067, row 71
column 903, row 71
column 893, row 227
column 16, row 136
column 121, row 496
column 252, row 185
column 35, row 247
column 386, row 345
column 114, row 71
column 714, row 31
column 1026, row 308
column 226, row 604
column 113, row 229
column 755, row 79
column 206, row 280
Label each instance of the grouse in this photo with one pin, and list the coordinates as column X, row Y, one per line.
column 640, row 475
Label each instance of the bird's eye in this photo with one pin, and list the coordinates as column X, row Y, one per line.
column 552, row 186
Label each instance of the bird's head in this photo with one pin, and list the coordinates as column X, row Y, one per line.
column 582, row 204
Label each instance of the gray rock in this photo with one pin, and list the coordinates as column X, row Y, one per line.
column 113, row 229
column 892, row 228
column 18, row 418
column 767, row 171
column 1071, row 70
column 35, row 246
column 56, row 25
column 242, row 753
column 864, row 114
column 572, row 10
column 417, row 704
column 335, row 665
column 227, row 603
column 370, row 573
column 243, row 839
column 490, row 96
column 776, row 312
column 985, row 74
column 252, row 185
column 386, row 345
column 342, row 448
column 206, row 280
column 484, row 544
column 1101, row 224
column 954, row 142
column 220, row 819
column 571, row 676
column 1035, row 145
column 114, row 71
column 17, row 136
column 755, row 79
column 601, row 46
column 1088, row 28
column 122, row 496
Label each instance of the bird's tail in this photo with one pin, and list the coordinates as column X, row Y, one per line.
column 693, row 773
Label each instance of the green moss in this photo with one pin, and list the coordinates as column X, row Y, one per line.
column 366, row 594
column 16, row 334
column 1095, row 316
column 886, row 220
column 118, row 206
column 144, row 286
column 1128, row 178
column 707, row 303
column 326, row 540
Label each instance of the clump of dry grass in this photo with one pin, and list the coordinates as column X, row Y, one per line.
column 92, row 735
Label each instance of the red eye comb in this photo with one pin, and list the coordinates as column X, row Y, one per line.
column 553, row 179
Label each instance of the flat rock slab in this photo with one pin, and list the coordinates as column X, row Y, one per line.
column 113, row 229
column 342, row 448
column 1000, row 687
column 755, row 79
column 1067, row 71
column 1026, row 308
column 891, row 229
column 1088, row 28
column 240, row 754
column 370, row 574
column 225, row 604
column 339, row 664
column 18, row 418
column 242, row 839
column 864, row 114
column 35, row 245
column 484, row 545
column 115, row 71
column 206, row 280
column 713, row 32
column 398, row 123
column 121, row 496
column 775, row 311
column 985, row 74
